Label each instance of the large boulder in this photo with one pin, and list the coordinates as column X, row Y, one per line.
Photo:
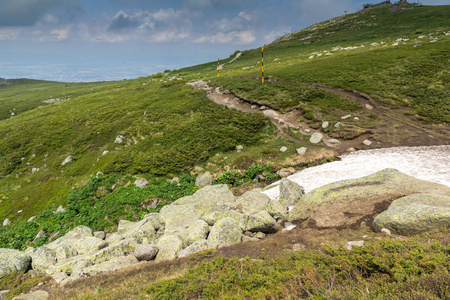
column 226, row 231
column 89, row 245
column 197, row 231
column 349, row 202
column 262, row 222
column 114, row 264
column 203, row 180
column 142, row 230
column 194, row 248
column 415, row 213
column 146, row 252
column 13, row 260
column 169, row 246
column 252, row 202
column 290, row 192
column 36, row 295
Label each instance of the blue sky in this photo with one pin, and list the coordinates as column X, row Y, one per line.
column 90, row 40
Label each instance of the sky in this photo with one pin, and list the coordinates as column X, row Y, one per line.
column 96, row 40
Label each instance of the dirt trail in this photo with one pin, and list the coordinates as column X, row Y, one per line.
column 395, row 132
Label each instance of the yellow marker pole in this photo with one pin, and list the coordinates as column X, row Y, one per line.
column 218, row 65
column 262, row 64
column 198, row 75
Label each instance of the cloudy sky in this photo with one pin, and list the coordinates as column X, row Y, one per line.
column 87, row 40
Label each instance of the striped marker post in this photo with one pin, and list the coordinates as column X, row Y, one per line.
column 218, row 66
column 262, row 64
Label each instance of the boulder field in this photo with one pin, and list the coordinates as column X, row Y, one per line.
column 213, row 217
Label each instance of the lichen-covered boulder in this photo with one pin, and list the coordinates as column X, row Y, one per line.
column 169, row 246
column 204, row 179
column 36, row 295
column 225, row 231
column 71, row 237
column 13, row 260
column 415, row 213
column 154, row 219
column 136, row 230
column 114, row 264
column 263, row 222
column 349, row 202
column 197, row 231
column 194, row 248
column 276, row 209
column 42, row 259
column 89, row 245
column 252, row 202
column 290, row 192
column 217, row 215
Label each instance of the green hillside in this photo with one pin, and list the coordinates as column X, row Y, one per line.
column 397, row 61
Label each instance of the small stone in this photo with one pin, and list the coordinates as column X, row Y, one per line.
column 254, row 106
column 350, row 150
column 260, row 235
column 177, row 179
column 301, row 151
column 31, row 219
column 288, row 226
column 367, row 142
column 349, row 245
column 119, row 139
column 60, row 209
column 68, row 160
column 325, row 124
column 105, row 152
column 298, row 247
column 262, row 107
column 386, row 231
column 369, row 107
column 6, row 222
column 283, row 149
column 337, row 125
column 39, row 236
column 346, row 117
column 239, row 148
column 356, row 118
column 34, row 170
column 316, row 138
column 307, row 130
column 333, row 142
column 141, row 183
column 204, row 179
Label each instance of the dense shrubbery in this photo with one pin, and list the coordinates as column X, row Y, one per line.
column 368, row 272
column 86, row 206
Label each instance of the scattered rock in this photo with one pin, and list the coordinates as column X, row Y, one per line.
column 367, row 142
column 39, row 236
column 68, row 160
column 119, row 139
column 337, row 125
column 288, row 226
column 37, row 295
column 31, row 219
column 105, row 152
column 283, row 149
column 204, row 179
column 13, row 260
column 34, row 170
column 290, row 192
column 352, row 244
column 350, row 150
column 415, row 213
column 239, row 148
column 260, row 235
column 285, row 172
column 177, row 179
column 270, row 113
column 346, row 117
column 6, row 222
column 226, row 231
column 60, row 209
column 332, row 142
column 262, row 222
column 262, row 107
column 301, row 150
column 146, row 252
column 141, row 183
column 369, row 107
column 316, row 138
column 386, row 231
column 325, row 124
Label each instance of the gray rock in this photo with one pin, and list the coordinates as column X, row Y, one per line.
column 6, row 222
column 276, row 209
column 60, row 209
column 325, row 124
column 262, row 222
column 367, row 142
column 239, row 148
column 415, row 213
column 316, row 138
column 252, row 202
column 346, row 117
column 89, row 245
column 197, row 231
column 301, row 150
column 337, row 125
column 146, row 252
column 333, row 142
column 68, row 160
column 169, row 246
column 113, row 264
column 226, row 231
column 42, row 259
column 290, row 192
column 260, row 235
column 100, row 235
column 119, row 139
column 31, row 219
column 141, row 183
column 59, row 277
column 13, row 260
column 204, row 179
column 39, row 236
column 136, row 230
column 283, row 149
column 194, row 248
column 385, row 231
column 37, row 295
column 350, row 245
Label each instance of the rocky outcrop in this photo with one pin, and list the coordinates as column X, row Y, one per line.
column 13, row 260
column 415, row 213
column 349, row 202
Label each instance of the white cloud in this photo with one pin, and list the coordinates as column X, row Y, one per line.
column 9, row 34
column 169, row 35
column 245, row 16
column 58, row 34
column 234, row 37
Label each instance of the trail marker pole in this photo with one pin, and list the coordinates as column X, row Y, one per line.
column 262, row 64
column 218, row 66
